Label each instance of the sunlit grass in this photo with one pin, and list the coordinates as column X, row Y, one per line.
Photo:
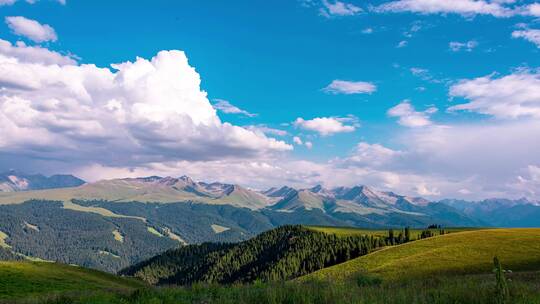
column 456, row 253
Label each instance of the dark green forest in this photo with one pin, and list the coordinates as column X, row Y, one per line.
column 279, row 254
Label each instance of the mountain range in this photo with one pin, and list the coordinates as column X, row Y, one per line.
column 111, row 224
column 12, row 181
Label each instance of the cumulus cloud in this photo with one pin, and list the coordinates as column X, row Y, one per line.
column 338, row 8
column 531, row 35
column 327, row 125
column 409, row 117
column 436, row 161
column 34, row 54
column 226, row 107
column 350, row 87
column 461, row 7
column 140, row 112
column 533, row 9
column 31, row 29
column 468, row 46
column 511, row 96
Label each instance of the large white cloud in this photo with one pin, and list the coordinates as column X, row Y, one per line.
column 511, row 96
column 142, row 111
column 33, row 54
column 31, row 29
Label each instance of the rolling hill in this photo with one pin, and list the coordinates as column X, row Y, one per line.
column 276, row 255
column 20, row 280
column 452, row 268
column 468, row 252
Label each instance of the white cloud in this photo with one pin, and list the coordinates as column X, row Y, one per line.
column 367, row 30
column 402, row 44
column 425, row 75
column 461, row 7
column 528, row 183
column 145, row 111
column 226, row 107
column 371, row 155
column 424, row 190
column 325, row 125
column 338, row 8
column 468, row 46
column 511, row 96
column 31, row 29
column 267, row 130
column 297, row 140
column 450, row 161
column 533, row 9
column 531, row 35
column 11, row 2
column 34, row 54
column 409, row 117
column 350, row 87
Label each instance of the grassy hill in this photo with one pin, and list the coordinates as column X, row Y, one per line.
column 276, row 255
column 447, row 269
column 36, row 279
column 351, row 231
column 468, row 252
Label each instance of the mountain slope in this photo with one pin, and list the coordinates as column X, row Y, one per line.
column 279, row 254
column 466, row 252
column 12, row 181
column 149, row 189
column 24, row 279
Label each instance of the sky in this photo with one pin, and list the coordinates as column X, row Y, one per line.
column 433, row 98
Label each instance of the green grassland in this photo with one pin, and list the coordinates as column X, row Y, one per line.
column 467, row 252
column 349, row 231
column 451, row 268
column 34, row 279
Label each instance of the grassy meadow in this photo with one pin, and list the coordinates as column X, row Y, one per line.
column 348, row 231
column 451, row 268
column 465, row 252
column 19, row 280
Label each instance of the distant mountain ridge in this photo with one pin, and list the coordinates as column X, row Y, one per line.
column 500, row 212
column 115, row 223
column 354, row 205
column 12, row 181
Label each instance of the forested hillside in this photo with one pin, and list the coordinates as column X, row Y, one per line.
column 280, row 254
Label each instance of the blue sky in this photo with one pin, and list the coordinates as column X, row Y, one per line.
column 274, row 62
